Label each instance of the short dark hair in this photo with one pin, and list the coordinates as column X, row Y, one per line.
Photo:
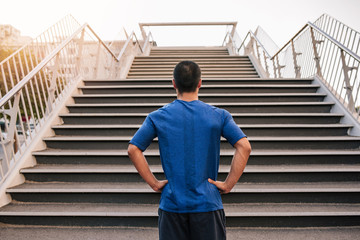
column 187, row 76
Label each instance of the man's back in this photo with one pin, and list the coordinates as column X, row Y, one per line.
column 189, row 135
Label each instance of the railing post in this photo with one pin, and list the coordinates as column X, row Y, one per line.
column 81, row 46
column 266, row 64
column 348, row 87
column 316, row 54
column 52, row 87
column 10, row 138
column 1, row 169
column 249, row 46
column 279, row 67
column 257, row 50
column 296, row 66
column 274, row 67
column 97, row 61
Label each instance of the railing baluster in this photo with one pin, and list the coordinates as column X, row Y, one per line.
column 26, row 76
column 317, row 57
column 38, row 94
column 329, row 49
column 296, row 66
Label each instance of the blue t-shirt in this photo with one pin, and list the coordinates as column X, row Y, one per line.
column 189, row 135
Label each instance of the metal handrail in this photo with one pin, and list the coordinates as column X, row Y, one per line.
column 30, row 75
column 313, row 26
column 101, row 41
column 315, row 50
column 142, row 25
column 123, row 49
column 309, row 24
column 52, row 65
column 147, row 41
column 234, row 50
column 257, row 40
column 26, row 45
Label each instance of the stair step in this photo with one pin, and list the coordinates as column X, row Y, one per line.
column 109, row 142
column 305, row 107
column 243, row 118
column 89, row 214
column 141, row 193
column 204, row 68
column 170, row 76
column 188, row 48
column 209, row 97
column 123, row 233
column 189, row 51
column 257, row 157
column 160, row 89
column 200, row 57
column 200, row 62
column 252, row 173
column 208, row 73
column 249, row 129
column 96, row 168
column 205, row 82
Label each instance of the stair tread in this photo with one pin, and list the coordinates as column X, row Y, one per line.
column 147, row 233
column 204, row 69
column 140, row 187
column 200, row 62
column 233, row 114
column 154, row 72
column 260, row 138
column 129, row 168
column 203, row 79
column 207, row 67
column 339, row 125
column 215, row 104
column 231, row 210
column 193, row 56
column 206, row 86
column 169, row 76
column 200, row 95
column 223, row 152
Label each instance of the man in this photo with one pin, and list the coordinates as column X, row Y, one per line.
column 189, row 133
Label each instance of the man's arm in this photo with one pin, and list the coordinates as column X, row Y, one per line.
column 241, row 156
column 141, row 165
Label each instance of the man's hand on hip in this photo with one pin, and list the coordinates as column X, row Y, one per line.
column 223, row 188
column 241, row 156
column 159, row 185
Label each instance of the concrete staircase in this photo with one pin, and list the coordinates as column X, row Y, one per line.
column 304, row 170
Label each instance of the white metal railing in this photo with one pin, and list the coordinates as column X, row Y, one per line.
column 233, row 41
column 35, row 78
column 147, row 35
column 326, row 48
column 132, row 38
column 149, row 41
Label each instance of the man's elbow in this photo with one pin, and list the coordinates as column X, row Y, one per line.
column 243, row 145
column 248, row 148
column 132, row 149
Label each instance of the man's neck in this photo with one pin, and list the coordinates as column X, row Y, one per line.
column 188, row 96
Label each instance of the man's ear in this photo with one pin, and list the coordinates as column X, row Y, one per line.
column 174, row 84
column 199, row 84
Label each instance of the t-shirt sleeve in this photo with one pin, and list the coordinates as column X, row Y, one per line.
column 230, row 130
column 144, row 136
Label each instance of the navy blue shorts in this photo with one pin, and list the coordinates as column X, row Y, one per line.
column 187, row 226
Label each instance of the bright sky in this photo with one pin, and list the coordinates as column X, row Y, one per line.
column 281, row 19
